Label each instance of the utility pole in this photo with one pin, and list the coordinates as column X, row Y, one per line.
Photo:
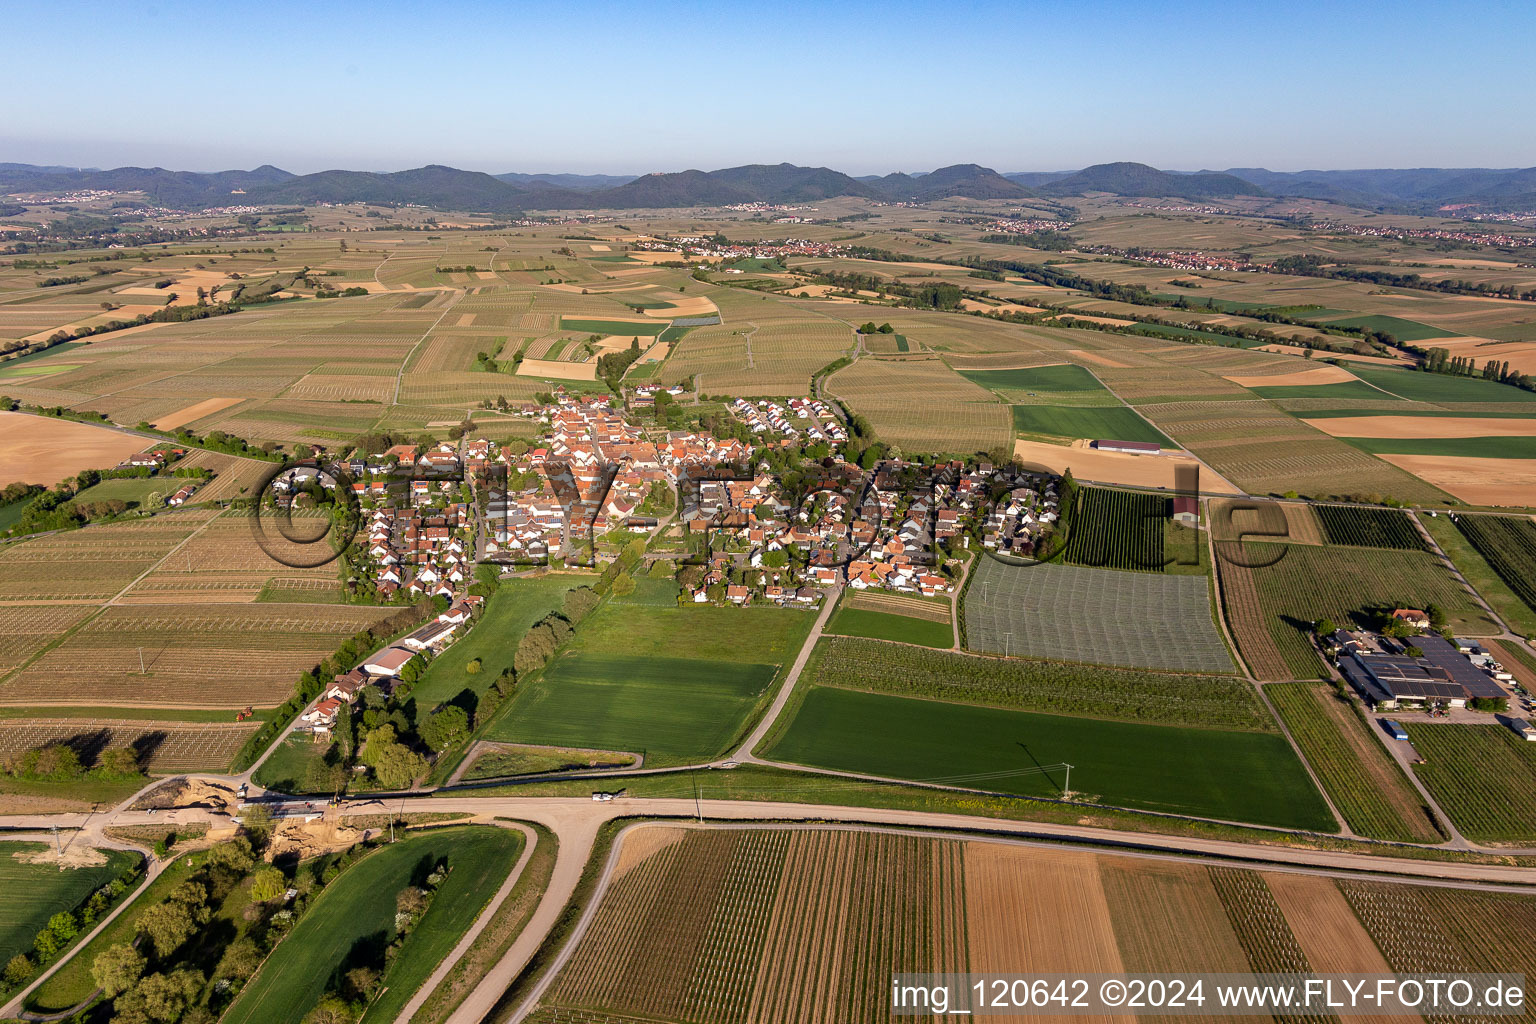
column 1067, row 792
column 1007, row 640
column 57, row 849
column 698, row 808
column 141, row 662
column 401, row 813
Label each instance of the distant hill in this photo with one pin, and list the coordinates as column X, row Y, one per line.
column 1422, row 189
column 1034, row 179
column 576, row 181
column 187, row 189
column 786, row 183
column 969, row 180
column 1132, row 179
column 442, row 188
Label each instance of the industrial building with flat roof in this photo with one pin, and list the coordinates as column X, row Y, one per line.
column 1442, row 675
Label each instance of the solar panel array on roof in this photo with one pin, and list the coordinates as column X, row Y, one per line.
column 1404, row 678
column 1444, row 656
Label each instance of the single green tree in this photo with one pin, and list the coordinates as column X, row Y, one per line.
column 268, row 884
column 117, row 968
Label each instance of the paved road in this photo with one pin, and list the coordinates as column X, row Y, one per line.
column 530, row 841
column 829, row 601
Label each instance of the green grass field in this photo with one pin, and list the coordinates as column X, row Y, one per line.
column 1402, row 330
column 1439, row 387
column 131, row 489
column 763, row 634
column 353, row 919
column 1483, row 776
column 1111, row 423
column 1064, row 378
column 516, row 605
column 1462, row 447
column 885, row 626
column 39, row 370
column 1344, row 389
column 672, row 710
column 618, row 327
column 32, row 893
column 288, row 766
column 1235, row 776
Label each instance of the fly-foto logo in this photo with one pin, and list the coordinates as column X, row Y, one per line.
column 561, row 522
column 306, row 514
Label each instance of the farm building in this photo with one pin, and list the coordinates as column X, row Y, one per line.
column 435, row 635
column 1130, row 447
column 1391, row 680
column 389, row 661
column 1525, row 730
column 1186, row 509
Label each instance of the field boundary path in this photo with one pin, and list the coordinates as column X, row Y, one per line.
column 954, row 599
column 400, row 373
column 1456, row 573
column 424, row 992
column 1398, row 751
column 744, row 751
column 576, row 837
column 1217, row 603
column 1317, row 782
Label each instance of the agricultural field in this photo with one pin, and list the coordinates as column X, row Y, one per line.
column 1361, row 778
column 952, row 415
column 1123, row 764
column 31, row 893
column 1118, row 530
column 211, row 656
column 907, row 605
column 350, row 923
column 851, row 620
column 1370, row 527
column 670, row 710
column 1501, row 597
column 1161, row 697
column 1508, row 545
column 1273, row 593
column 93, row 563
column 44, row 450
column 1483, row 776
column 1058, row 379
column 779, row 924
column 1099, row 616
column 1118, row 423
column 162, row 747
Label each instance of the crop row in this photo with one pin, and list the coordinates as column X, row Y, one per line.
column 1370, row 527
column 1213, row 701
column 1075, row 613
column 1483, row 776
column 1260, row 924
column 1508, row 543
column 1359, row 776
column 1118, row 530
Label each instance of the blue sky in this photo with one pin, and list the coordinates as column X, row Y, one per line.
column 645, row 85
